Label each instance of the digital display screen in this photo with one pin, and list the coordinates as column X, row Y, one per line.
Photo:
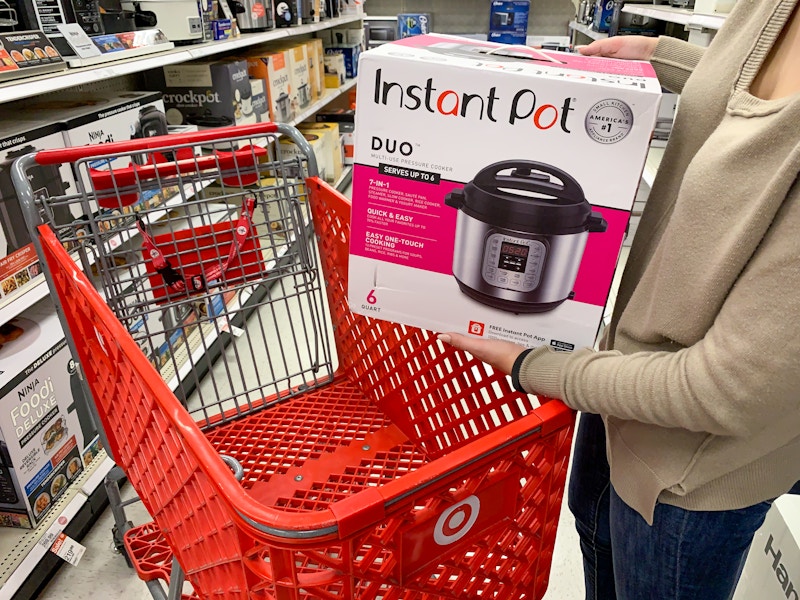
column 513, row 257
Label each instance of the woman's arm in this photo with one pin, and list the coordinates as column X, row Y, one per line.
column 673, row 59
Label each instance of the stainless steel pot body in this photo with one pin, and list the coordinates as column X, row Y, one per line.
column 539, row 272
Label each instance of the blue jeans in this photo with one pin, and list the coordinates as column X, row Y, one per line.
column 684, row 555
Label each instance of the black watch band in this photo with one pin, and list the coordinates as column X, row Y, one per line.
column 515, row 370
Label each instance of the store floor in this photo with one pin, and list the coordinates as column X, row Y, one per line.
column 103, row 574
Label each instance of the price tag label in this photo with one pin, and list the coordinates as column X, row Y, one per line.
column 68, row 549
column 53, row 532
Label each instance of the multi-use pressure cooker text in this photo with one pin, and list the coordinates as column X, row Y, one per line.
column 521, row 231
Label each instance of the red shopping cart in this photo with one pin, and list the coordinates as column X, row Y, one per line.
column 200, row 309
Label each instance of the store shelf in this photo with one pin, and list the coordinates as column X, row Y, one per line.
column 329, row 96
column 651, row 165
column 21, row 554
column 681, row 16
column 587, row 30
column 20, row 89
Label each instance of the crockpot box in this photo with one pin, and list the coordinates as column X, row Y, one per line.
column 273, row 66
column 45, row 428
column 493, row 186
column 205, row 93
column 300, row 95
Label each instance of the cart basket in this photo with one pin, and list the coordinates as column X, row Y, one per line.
column 414, row 471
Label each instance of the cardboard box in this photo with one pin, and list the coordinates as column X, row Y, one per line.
column 288, row 149
column 316, row 67
column 332, row 159
column 603, row 12
column 44, row 429
column 335, row 72
column 351, row 7
column 483, row 199
column 272, row 65
column 93, row 118
column 351, row 54
column 197, row 90
column 508, row 21
column 346, row 121
column 509, row 15
column 772, row 568
column 19, row 265
column 258, row 91
column 300, row 89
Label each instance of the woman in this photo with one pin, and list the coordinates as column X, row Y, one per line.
column 698, row 377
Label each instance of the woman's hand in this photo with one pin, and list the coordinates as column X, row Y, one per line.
column 500, row 354
column 630, row 47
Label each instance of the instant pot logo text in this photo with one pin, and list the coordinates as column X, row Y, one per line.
column 524, row 106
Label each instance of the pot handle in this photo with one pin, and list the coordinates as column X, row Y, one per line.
column 597, row 224
column 530, row 176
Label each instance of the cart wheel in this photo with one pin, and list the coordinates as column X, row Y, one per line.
column 119, row 545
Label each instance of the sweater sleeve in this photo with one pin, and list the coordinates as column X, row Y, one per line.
column 742, row 375
column 674, row 60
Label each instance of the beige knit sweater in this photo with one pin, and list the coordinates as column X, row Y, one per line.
column 700, row 387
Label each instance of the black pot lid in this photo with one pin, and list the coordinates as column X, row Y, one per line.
column 527, row 196
column 206, row 120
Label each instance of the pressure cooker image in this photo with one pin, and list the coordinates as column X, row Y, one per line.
column 283, row 108
column 521, row 230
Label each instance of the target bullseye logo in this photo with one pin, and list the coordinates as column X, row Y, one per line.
column 456, row 521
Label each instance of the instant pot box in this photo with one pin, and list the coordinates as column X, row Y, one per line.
column 493, row 186
column 42, row 427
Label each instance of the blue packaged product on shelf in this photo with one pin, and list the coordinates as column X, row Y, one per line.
column 221, row 29
column 509, row 16
column 351, row 54
column 603, row 11
column 409, row 24
column 508, row 37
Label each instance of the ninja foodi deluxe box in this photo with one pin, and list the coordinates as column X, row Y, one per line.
column 44, row 420
column 493, row 186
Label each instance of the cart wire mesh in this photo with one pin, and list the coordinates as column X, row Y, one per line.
column 185, row 254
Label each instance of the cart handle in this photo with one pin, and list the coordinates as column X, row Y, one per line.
column 237, row 169
column 71, row 155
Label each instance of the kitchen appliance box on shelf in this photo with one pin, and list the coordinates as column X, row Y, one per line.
column 273, row 66
column 491, row 194
column 43, row 428
column 19, row 265
column 89, row 118
column 206, row 93
column 95, row 118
